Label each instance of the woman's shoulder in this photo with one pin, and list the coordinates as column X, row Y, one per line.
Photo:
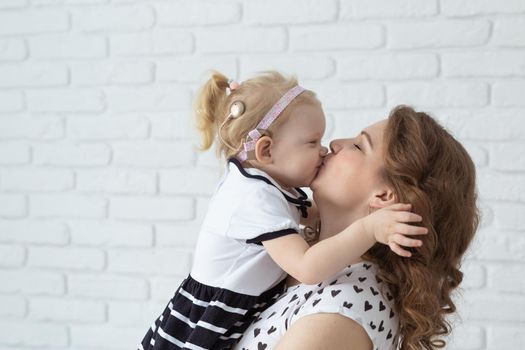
column 358, row 293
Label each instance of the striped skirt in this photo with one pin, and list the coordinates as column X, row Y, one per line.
column 203, row 317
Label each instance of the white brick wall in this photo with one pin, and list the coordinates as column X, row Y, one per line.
column 102, row 190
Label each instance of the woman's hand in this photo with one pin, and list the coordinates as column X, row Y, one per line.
column 390, row 226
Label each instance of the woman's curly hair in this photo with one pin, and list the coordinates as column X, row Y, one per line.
column 427, row 167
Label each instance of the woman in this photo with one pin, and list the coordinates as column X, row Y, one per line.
column 384, row 301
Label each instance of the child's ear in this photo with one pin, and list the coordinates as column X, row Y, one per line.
column 263, row 150
column 383, row 198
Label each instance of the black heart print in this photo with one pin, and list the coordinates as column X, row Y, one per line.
column 372, row 325
column 320, row 291
column 381, row 328
column 392, row 313
column 261, row 346
column 357, row 289
column 285, row 311
column 335, row 292
column 375, row 292
column 293, row 298
column 256, row 332
column 389, row 335
column 273, row 314
column 368, row 306
column 315, row 302
column 347, row 305
column 381, row 306
column 271, row 330
column 334, row 282
column 307, row 295
column 362, row 279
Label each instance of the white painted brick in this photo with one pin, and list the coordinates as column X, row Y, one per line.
column 189, row 181
column 107, row 286
column 387, row 66
column 160, row 42
column 509, row 63
column 33, row 22
column 13, row 3
column 36, row 179
column 509, row 32
column 42, row 335
column 480, row 7
column 12, row 306
column 112, row 234
column 177, row 125
column 161, row 261
column 506, row 278
column 510, row 216
column 13, row 153
column 501, row 186
column 449, row 33
column 356, row 9
column 125, row 313
column 71, row 154
column 85, row 2
column 241, row 40
column 67, row 258
column 508, row 94
column 33, row 75
column 11, row 101
column 67, row 205
column 278, row 12
column 12, row 50
column 498, row 124
column 152, row 98
column 499, row 246
column 345, row 95
column 151, row 208
column 478, row 153
column 32, row 282
column 118, row 181
column 456, row 94
column 506, row 336
column 65, row 100
column 474, row 275
column 337, row 37
column 34, row 232
column 196, row 13
column 12, row 205
column 128, row 337
column 163, row 288
column 113, row 18
column 153, row 154
column 62, row 46
column 194, row 69
column 209, row 159
column 53, row 309
column 508, row 156
column 350, row 123
column 108, row 73
column 12, row 255
column 490, row 308
column 465, row 337
column 305, row 67
column 107, row 128
column 44, row 128
column 184, row 233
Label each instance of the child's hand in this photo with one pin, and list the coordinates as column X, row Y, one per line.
column 389, row 226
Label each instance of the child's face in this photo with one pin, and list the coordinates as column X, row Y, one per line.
column 297, row 153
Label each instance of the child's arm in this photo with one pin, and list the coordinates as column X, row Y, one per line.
column 311, row 265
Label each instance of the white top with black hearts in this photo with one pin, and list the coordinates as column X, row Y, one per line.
column 356, row 292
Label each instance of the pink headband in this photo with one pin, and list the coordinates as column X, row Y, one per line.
column 268, row 119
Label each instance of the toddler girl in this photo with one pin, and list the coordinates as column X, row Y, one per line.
column 269, row 131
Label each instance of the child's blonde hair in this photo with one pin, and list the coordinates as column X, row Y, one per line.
column 258, row 94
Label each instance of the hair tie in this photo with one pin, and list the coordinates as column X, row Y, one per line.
column 233, row 84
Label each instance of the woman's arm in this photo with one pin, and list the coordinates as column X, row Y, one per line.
column 325, row 332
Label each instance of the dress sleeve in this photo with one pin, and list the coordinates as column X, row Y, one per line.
column 263, row 214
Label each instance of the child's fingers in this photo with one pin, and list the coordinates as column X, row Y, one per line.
column 405, row 241
column 398, row 250
column 410, row 230
column 406, row 216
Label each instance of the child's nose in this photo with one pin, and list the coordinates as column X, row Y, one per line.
column 324, row 151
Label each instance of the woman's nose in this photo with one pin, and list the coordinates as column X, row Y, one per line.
column 335, row 146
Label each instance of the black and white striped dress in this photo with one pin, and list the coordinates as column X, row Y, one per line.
column 233, row 279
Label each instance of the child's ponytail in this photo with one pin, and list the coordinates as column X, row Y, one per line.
column 209, row 104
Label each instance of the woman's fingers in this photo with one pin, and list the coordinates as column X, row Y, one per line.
column 406, row 216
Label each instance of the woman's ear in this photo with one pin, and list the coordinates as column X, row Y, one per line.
column 263, row 150
column 383, row 198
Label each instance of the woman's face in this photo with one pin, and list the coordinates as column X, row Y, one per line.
column 350, row 175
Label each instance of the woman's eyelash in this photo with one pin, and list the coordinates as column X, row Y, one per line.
column 357, row 146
